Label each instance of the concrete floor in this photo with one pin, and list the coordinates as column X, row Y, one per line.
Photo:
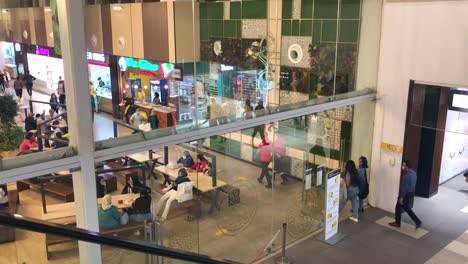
column 369, row 242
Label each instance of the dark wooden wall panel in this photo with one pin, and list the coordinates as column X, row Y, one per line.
column 106, row 29
column 155, row 31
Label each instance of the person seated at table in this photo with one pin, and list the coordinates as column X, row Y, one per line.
column 30, row 122
column 208, row 171
column 201, row 163
column 186, row 160
column 141, row 208
column 108, row 214
column 170, row 194
column 61, row 143
column 28, row 143
column 138, row 118
column 3, row 196
column 133, row 185
column 100, row 187
column 51, row 114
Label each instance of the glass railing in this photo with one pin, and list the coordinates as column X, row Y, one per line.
column 247, row 183
column 228, row 121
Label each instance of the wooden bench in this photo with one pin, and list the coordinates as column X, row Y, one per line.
column 51, row 239
column 7, row 233
column 64, row 190
column 123, row 175
column 233, row 194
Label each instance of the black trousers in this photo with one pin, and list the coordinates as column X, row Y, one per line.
column 407, row 207
column 265, row 172
column 19, row 93
column 62, row 101
column 260, row 130
column 29, row 89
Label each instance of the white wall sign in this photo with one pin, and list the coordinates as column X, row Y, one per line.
column 308, row 179
column 332, row 203
column 95, row 56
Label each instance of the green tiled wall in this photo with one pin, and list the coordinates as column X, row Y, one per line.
column 212, row 23
column 254, row 9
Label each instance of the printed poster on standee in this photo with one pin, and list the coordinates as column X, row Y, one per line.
column 332, row 203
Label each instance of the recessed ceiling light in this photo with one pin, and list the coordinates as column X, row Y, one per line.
column 117, row 8
column 47, row 9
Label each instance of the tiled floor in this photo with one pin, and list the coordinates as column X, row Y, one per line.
column 370, row 242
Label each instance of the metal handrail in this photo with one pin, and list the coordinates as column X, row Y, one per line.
column 35, row 225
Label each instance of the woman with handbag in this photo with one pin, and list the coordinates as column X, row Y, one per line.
column 363, row 183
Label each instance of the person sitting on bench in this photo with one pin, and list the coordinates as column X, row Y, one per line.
column 170, row 195
column 133, row 185
column 108, row 214
column 141, row 209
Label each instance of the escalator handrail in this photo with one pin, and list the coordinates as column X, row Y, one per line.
column 35, row 225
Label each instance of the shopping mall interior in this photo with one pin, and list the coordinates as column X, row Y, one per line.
column 233, row 131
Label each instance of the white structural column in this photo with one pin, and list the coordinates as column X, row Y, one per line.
column 367, row 71
column 72, row 32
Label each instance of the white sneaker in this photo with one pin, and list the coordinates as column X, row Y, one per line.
column 354, row 219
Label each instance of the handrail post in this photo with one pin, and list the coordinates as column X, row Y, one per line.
column 40, row 146
column 282, row 259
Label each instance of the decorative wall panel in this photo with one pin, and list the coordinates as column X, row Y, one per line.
column 254, row 28
column 294, row 51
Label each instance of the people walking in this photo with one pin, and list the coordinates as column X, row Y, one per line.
column 28, row 80
column 61, row 93
column 53, row 102
column 264, row 152
column 406, row 195
column 18, row 86
column 352, row 184
column 363, row 182
column 259, row 111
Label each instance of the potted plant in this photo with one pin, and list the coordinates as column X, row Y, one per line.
column 11, row 135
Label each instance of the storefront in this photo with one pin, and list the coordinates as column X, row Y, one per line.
column 7, row 58
column 47, row 66
column 99, row 73
column 140, row 76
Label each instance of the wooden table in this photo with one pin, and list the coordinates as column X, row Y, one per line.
column 149, row 158
column 200, row 181
column 57, row 212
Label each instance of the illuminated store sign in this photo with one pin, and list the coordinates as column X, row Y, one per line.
column 146, row 65
column 95, row 56
column 42, row 51
column 227, row 67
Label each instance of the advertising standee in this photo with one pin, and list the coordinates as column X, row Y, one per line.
column 332, row 201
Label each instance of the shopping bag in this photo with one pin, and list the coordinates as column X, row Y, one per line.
column 184, row 192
